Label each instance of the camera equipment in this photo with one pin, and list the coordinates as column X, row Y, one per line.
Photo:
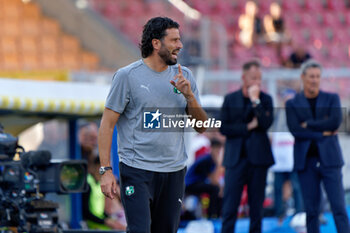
column 23, row 184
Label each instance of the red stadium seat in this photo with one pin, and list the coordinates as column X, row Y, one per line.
column 202, row 6
column 314, row 5
column 318, row 34
column 109, row 10
column 159, row 8
column 336, row 4
column 290, row 22
column 331, row 19
column 286, row 52
column 240, row 5
column 308, row 20
column 267, row 55
column 338, row 53
column 264, row 6
column 290, row 6
column 347, row 17
column 132, row 8
column 221, row 7
column 342, row 36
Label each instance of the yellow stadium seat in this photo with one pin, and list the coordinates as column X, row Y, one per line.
column 8, row 45
column 31, row 11
column 69, row 43
column 50, row 26
column 49, row 61
column 1, row 11
column 48, row 44
column 29, row 61
column 10, row 62
column 30, row 27
column 70, row 61
column 89, row 61
column 31, row 41
column 28, row 44
column 10, row 28
column 12, row 10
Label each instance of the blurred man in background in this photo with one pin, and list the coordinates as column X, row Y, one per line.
column 298, row 56
column 88, row 140
column 246, row 116
column 313, row 117
column 94, row 212
column 204, row 177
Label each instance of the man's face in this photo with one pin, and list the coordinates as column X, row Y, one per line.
column 170, row 46
column 252, row 77
column 311, row 80
column 88, row 136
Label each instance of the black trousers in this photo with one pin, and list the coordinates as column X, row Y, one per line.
column 235, row 178
column 152, row 200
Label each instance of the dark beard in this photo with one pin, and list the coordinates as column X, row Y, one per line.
column 166, row 56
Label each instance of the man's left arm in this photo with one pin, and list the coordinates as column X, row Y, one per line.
column 193, row 108
column 264, row 113
column 332, row 122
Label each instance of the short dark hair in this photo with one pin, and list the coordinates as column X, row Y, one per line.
column 155, row 29
column 246, row 66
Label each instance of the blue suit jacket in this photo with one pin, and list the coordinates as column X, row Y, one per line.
column 234, row 126
column 328, row 118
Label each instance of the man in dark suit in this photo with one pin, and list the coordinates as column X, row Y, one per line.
column 313, row 117
column 246, row 115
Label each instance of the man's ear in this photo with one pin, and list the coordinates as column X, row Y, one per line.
column 243, row 77
column 156, row 44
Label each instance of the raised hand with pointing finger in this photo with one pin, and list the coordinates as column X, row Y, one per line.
column 183, row 85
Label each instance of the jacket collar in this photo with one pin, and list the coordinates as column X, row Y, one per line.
column 302, row 102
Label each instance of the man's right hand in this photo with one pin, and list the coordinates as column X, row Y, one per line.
column 253, row 124
column 329, row 133
column 109, row 185
column 253, row 92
